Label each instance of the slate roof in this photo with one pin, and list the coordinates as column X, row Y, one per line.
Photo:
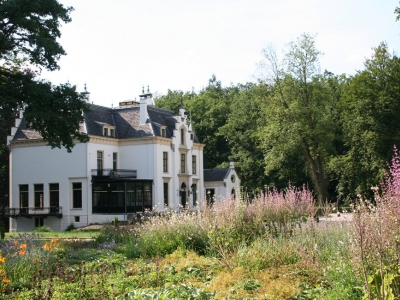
column 25, row 133
column 216, row 174
column 125, row 120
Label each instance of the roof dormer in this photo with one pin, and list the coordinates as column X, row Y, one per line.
column 106, row 129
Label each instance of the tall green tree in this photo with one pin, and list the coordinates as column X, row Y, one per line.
column 299, row 114
column 240, row 130
column 29, row 32
column 370, row 118
column 210, row 110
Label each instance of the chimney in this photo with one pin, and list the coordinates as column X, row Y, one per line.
column 143, row 105
column 86, row 95
column 149, row 97
column 231, row 164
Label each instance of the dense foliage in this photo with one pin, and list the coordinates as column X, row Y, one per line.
column 29, row 32
column 333, row 133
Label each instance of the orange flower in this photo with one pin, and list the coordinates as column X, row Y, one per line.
column 47, row 247
column 53, row 240
column 22, row 246
column 6, row 281
column 2, row 259
column 15, row 243
column 22, row 252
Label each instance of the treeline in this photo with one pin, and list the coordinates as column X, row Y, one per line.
column 298, row 125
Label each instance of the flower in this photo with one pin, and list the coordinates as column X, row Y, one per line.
column 22, row 246
column 2, row 259
column 22, row 252
column 6, row 281
column 53, row 240
column 47, row 247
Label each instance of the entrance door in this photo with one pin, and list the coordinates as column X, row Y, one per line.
column 210, row 195
column 183, row 194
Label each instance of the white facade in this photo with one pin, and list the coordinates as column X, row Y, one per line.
column 221, row 183
column 92, row 181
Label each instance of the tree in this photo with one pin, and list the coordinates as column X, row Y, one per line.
column 28, row 39
column 241, row 132
column 210, row 110
column 299, row 112
column 370, row 107
column 29, row 30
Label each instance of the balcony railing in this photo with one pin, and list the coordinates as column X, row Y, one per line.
column 117, row 173
column 28, row 212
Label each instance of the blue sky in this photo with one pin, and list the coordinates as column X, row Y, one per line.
column 116, row 47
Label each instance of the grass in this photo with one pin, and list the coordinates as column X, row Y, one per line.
column 75, row 234
column 269, row 248
column 312, row 263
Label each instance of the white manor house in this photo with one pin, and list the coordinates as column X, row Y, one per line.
column 139, row 157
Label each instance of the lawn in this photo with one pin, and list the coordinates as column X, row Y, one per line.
column 75, row 234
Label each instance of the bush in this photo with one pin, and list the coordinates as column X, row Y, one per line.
column 43, row 229
column 375, row 238
column 70, row 227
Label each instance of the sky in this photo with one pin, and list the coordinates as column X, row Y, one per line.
column 116, row 47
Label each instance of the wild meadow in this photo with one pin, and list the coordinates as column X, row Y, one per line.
column 271, row 247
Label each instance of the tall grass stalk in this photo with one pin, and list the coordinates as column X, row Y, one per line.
column 375, row 238
column 226, row 225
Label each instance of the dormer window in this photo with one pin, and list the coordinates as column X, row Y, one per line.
column 163, row 131
column 191, row 136
column 108, row 131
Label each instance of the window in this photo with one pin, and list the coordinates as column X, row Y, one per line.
column 105, row 132
column 163, row 132
column 99, row 160
column 112, row 132
column 23, row 195
column 182, row 136
column 77, row 219
column 183, row 163
column 77, row 195
column 38, row 188
column 115, row 160
column 194, row 164
column 194, row 193
column 191, row 136
column 165, row 194
column 54, row 195
column 165, row 162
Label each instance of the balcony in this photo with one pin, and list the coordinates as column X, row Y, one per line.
column 115, row 174
column 28, row 212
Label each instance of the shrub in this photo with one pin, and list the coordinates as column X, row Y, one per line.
column 163, row 234
column 43, row 229
column 375, row 238
column 70, row 227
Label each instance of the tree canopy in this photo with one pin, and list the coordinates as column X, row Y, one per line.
column 28, row 40
column 29, row 32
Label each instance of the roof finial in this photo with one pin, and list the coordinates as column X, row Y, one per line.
column 143, row 89
column 148, row 89
column 85, row 87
